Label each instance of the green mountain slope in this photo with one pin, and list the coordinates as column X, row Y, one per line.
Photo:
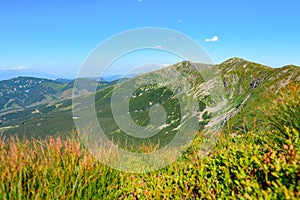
column 22, row 92
column 246, row 85
column 255, row 83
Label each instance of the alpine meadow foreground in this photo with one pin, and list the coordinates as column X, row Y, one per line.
column 259, row 164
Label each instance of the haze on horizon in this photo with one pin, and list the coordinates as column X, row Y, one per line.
column 57, row 36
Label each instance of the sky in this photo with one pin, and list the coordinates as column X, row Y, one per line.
column 57, row 36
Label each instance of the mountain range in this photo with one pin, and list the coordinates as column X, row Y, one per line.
column 24, row 92
column 37, row 107
column 9, row 73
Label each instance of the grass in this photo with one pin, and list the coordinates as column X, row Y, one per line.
column 6, row 128
column 255, row 165
column 285, row 111
column 248, row 166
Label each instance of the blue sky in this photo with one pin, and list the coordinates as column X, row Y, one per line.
column 56, row 36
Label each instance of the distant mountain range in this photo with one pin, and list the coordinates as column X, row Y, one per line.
column 43, row 107
column 24, row 92
column 23, row 71
column 9, row 73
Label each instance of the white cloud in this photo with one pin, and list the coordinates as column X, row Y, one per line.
column 159, row 47
column 19, row 68
column 180, row 21
column 213, row 39
column 15, row 68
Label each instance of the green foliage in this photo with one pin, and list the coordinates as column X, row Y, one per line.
column 244, row 167
column 285, row 109
column 202, row 106
column 54, row 169
column 255, row 165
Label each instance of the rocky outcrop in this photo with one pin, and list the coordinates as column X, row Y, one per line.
column 254, row 82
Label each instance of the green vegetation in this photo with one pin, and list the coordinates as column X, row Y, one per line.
column 285, row 111
column 255, row 165
column 256, row 157
column 6, row 128
column 24, row 92
column 238, row 76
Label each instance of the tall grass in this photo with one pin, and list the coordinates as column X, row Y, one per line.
column 245, row 166
column 53, row 169
column 284, row 112
column 285, row 108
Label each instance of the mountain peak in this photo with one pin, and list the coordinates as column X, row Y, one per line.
column 234, row 60
column 290, row 66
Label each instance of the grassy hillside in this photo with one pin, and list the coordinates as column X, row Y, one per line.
column 255, row 165
column 261, row 163
column 23, row 92
column 258, row 85
column 51, row 116
column 58, row 117
column 248, row 86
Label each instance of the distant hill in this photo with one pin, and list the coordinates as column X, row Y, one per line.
column 247, row 86
column 63, row 80
column 23, row 92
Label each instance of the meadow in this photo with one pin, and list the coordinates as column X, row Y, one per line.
column 259, row 164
